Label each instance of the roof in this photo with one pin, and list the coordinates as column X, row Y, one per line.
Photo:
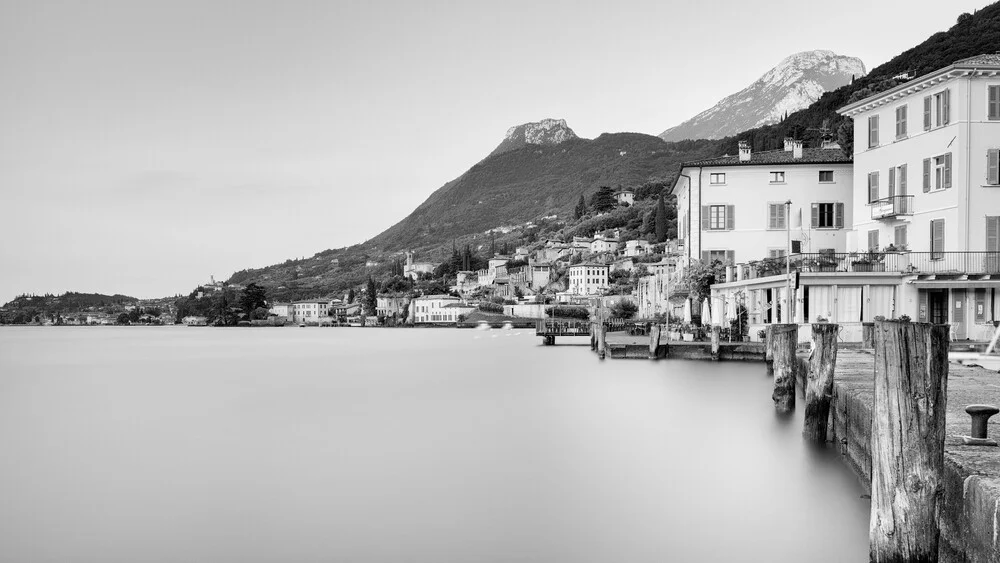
column 988, row 62
column 809, row 156
column 458, row 305
column 304, row 301
column 438, row 296
column 589, row 265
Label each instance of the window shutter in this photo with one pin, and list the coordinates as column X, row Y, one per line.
column 873, row 131
column 927, row 175
column 922, row 311
column 704, row 256
column 782, row 220
column 872, row 187
column 994, row 103
column 937, row 238
column 902, row 180
column 815, row 215
column 927, row 113
column 993, row 165
column 730, row 217
column 705, row 217
column 947, row 170
column 872, row 240
column 892, row 182
column 899, row 238
column 946, row 102
column 838, row 215
column 772, row 216
column 993, row 234
column 730, row 256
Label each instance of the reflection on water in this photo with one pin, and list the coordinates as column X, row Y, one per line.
column 199, row 444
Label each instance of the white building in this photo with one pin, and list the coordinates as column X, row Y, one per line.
column 733, row 208
column 281, row 310
column 927, row 171
column 440, row 309
column 625, row 196
column 588, row 279
column 413, row 269
column 310, row 311
column 391, row 305
column 602, row 243
column 638, row 247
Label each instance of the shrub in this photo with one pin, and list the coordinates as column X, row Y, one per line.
column 568, row 312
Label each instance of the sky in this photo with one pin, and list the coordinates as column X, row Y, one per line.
column 148, row 145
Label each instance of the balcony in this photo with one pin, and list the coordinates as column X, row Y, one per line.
column 892, row 206
column 944, row 263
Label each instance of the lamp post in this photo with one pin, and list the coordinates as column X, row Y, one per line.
column 788, row 260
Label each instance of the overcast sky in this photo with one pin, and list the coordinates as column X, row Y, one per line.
column 145, row 146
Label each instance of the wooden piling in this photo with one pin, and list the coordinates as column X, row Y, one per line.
column 783, row 339
column 819, row 390
column 716, row 334
column 601, row 340
column 868, row 335
column 907, row 440
column 654, row 341
column 593, row 336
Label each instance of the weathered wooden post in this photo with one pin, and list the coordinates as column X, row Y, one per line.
column 867, row 335
column 907, row 443
column 716, row 333
column 602, row 331
column 593, row 336
column 654, row 341
column 819, row 391
column 783, row 339
column 769, row 350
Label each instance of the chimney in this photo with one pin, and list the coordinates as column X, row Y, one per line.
column 796, row 149
column 788, row 144
column 744, row 151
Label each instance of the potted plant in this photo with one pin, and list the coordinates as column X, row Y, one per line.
column 687, row 331
column 762, row 335
column 870, row 261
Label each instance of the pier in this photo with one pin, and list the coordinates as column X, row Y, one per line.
column 549, row 329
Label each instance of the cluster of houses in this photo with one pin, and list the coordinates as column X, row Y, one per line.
column 910, row 226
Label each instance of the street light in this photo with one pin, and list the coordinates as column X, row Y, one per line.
column 788, row 260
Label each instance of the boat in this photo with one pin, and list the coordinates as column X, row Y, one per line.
column 508, row 325
column 483, row 325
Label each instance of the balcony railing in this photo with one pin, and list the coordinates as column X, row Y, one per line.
column 892, row 206
column 974, row 263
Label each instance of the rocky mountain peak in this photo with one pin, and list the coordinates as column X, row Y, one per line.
column 544, row 132
column 793, row 84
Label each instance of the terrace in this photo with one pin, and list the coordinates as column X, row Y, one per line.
column 944, row 263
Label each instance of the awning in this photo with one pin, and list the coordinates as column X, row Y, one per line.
column 960, row 284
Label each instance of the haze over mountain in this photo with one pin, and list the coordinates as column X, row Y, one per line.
column 795, row 83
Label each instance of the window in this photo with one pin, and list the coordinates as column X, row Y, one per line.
column 718, row 217
column 776, row 216
column 980, row 298
column 826, row 176
column 727, row 256
column 873, row 131
column 942, row 108
column 872, row 187
column 718, row 178
column 937, row 172
column 927, row 113
column 828, row 215
column 993, row 234
column 776, row 253
column 901, row 122
column 873, row 240
column 777, row 177
column 937, row 239
column 993, row 105
column 993, row 166
column 899, row 236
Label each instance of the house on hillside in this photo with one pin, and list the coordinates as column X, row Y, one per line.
column 413, row 269
column 391, row 306
column 602, row 243
column 625, row 196
column 588, row 279
column 638, row 247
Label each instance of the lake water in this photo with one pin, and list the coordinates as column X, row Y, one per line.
column 176, row 444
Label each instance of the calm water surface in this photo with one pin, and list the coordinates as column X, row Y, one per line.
column 180, row 444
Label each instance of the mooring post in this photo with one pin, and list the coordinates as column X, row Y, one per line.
column 868, row 335
column 602, row 335
column 654, row 341
column 783, row 339
column 769, row 350
column 593, row 336
column 716, row 333
column 907, row 440
column 819, row 391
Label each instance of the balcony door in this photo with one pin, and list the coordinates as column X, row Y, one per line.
column 937, row 303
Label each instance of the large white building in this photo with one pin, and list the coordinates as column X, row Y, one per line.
column 588, row 279
column 310, row 311
column 438, row 309
column 733, row 208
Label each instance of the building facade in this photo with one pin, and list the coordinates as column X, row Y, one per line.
column 438, row 309
column 734, row 208
column 588, row 279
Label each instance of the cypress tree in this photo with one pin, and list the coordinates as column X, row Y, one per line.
column 661, row 220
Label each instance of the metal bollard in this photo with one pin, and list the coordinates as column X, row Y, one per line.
column 980, row 416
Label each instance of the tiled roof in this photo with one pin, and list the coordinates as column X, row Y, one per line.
column 984, row 59
column 809, row 156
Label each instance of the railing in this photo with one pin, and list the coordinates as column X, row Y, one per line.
column 892, row 206
column 897, row 262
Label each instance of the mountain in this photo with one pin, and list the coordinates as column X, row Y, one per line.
column 794, row 84
column 544, row 132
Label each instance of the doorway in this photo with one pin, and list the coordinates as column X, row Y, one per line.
column 937, row 302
